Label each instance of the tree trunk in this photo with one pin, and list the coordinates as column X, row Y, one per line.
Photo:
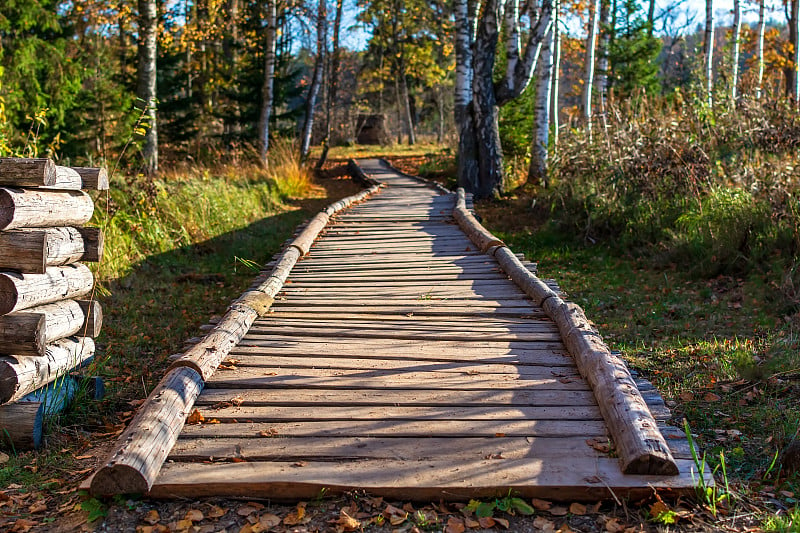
column 591, row 41
column 651, row 17
column 490, row 153
column 554, row 108
column 794, row 36
column 146, row 85
column 467, row 151
column 760, row 50
column 267, row 89
column 737, row 30
column 333, row 82
column 601, row 74
column 406, row 100
column 316, row 79
column 708, row 51
column 541, row 129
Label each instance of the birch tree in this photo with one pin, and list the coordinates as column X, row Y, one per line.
column 268, row 88
column 760, row 49
column 481, row 153
column 333, row 83
column 588, row 80
column 737, row 31
column 554, row 102
column 796, row 43
column 146, row 82
column 316, row 79
column 708, row 51
column 537, row 171
column 793, row 21
column 601, row 72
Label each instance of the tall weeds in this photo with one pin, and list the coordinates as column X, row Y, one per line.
column 714, row 189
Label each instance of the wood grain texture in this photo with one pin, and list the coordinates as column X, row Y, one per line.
column 24, row 172
column 22, row 291
column 21, row 426
column 27, row 332
column 42, row 208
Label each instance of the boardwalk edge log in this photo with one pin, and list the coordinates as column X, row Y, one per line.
column 640, row 445
column 141, row 450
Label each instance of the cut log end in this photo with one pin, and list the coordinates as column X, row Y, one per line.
column 8, row 292
column 21, row 425
column 651, row 464
column 118, row 479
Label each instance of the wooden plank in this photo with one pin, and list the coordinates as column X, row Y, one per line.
column 490, row 304
column 399, row 428
column 344, row 379
column 405, row 318
column 566, row 479
column 417, row 347
column 366, row 311
column 423, row 293
column 409, row 334
column 398, row 397
column 408, row 365
column 428, row 323
column 465, row 449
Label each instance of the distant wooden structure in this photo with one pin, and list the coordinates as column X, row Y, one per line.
column 371, row 129
column 47, row 317
column 408, row 353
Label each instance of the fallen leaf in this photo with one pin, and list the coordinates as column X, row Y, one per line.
column 195, row 417
column 296, row 516
column 613, row 526
column 558, row 511
column 300, row 464
column 183, row 525
column 471, row 523
column 81, row 457
column 271, row 432
column 22, row 525
column 541, row 505
column 347, row 522
column 4, row 458
column 38, row 507
column 486, row 522
column 269, row 520
column 152, row 517
column 194, row 515
column 454, row 525
column 502, row 521
column 577, row 509
column 394, row 515
column 543, row 524
column 216, row 512
column 658, row 508
column 686, row 396
column 246, row 510
column 711, row 397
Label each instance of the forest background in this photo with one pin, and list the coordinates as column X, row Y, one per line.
column 648, row 145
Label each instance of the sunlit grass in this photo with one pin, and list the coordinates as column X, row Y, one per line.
column 357, row 151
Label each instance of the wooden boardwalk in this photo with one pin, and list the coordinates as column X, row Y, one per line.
column 400, row 359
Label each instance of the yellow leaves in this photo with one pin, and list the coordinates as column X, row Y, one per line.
column 296, row 516
column 195, row 417
column 346, row 522
column 394, row 515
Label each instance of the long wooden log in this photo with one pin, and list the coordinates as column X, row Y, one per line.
column 142, row 448
column 21, row 172
column 43, row 208
column 31, row 251
column 22, row 374
column 27, row 332
column 474, row 230
column 642, row 448
column 23, row 291
column 93, row 178
column 21, row 425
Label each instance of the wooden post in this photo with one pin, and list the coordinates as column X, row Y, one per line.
column 31, row 251
column 641, row 446
column 43, row 208
column 21, row 425
column 22, row 291
column 22, row 374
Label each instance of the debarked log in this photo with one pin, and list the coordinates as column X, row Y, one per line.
column 27, row 332
column 23, row 291
column 22, row 374
column 43, row 208
column 21, row 425
column 33, row 250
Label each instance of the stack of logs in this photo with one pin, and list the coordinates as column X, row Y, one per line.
column 47, row 314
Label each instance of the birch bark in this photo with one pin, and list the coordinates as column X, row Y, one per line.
column 146, row 83
column 708, row 51
column 316, row 79
column 267, row 89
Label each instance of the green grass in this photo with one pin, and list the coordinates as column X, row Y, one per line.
column 395, row 150
column 716, row 348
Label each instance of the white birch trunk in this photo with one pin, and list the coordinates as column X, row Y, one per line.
column 541, row 129
column 146, row 83
column 267, row 89
column 464, row 38
column 556, row 76
column 601, row 74
column 708, row 51
column 760, row 50
column 796, row 41
column 591, row 42
column 316, row 80
column 737, row 31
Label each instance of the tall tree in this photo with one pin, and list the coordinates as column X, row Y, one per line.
column 601, row 72
column 537, row 171
column 554, row 100
column 268, row 87
column 708, row 51
column 760, row 49
column 735, row 44
column 485, row 95
column 316, row 79
column 146, row 86
column 591, row 45
column 794, row 37
column 333, row 83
